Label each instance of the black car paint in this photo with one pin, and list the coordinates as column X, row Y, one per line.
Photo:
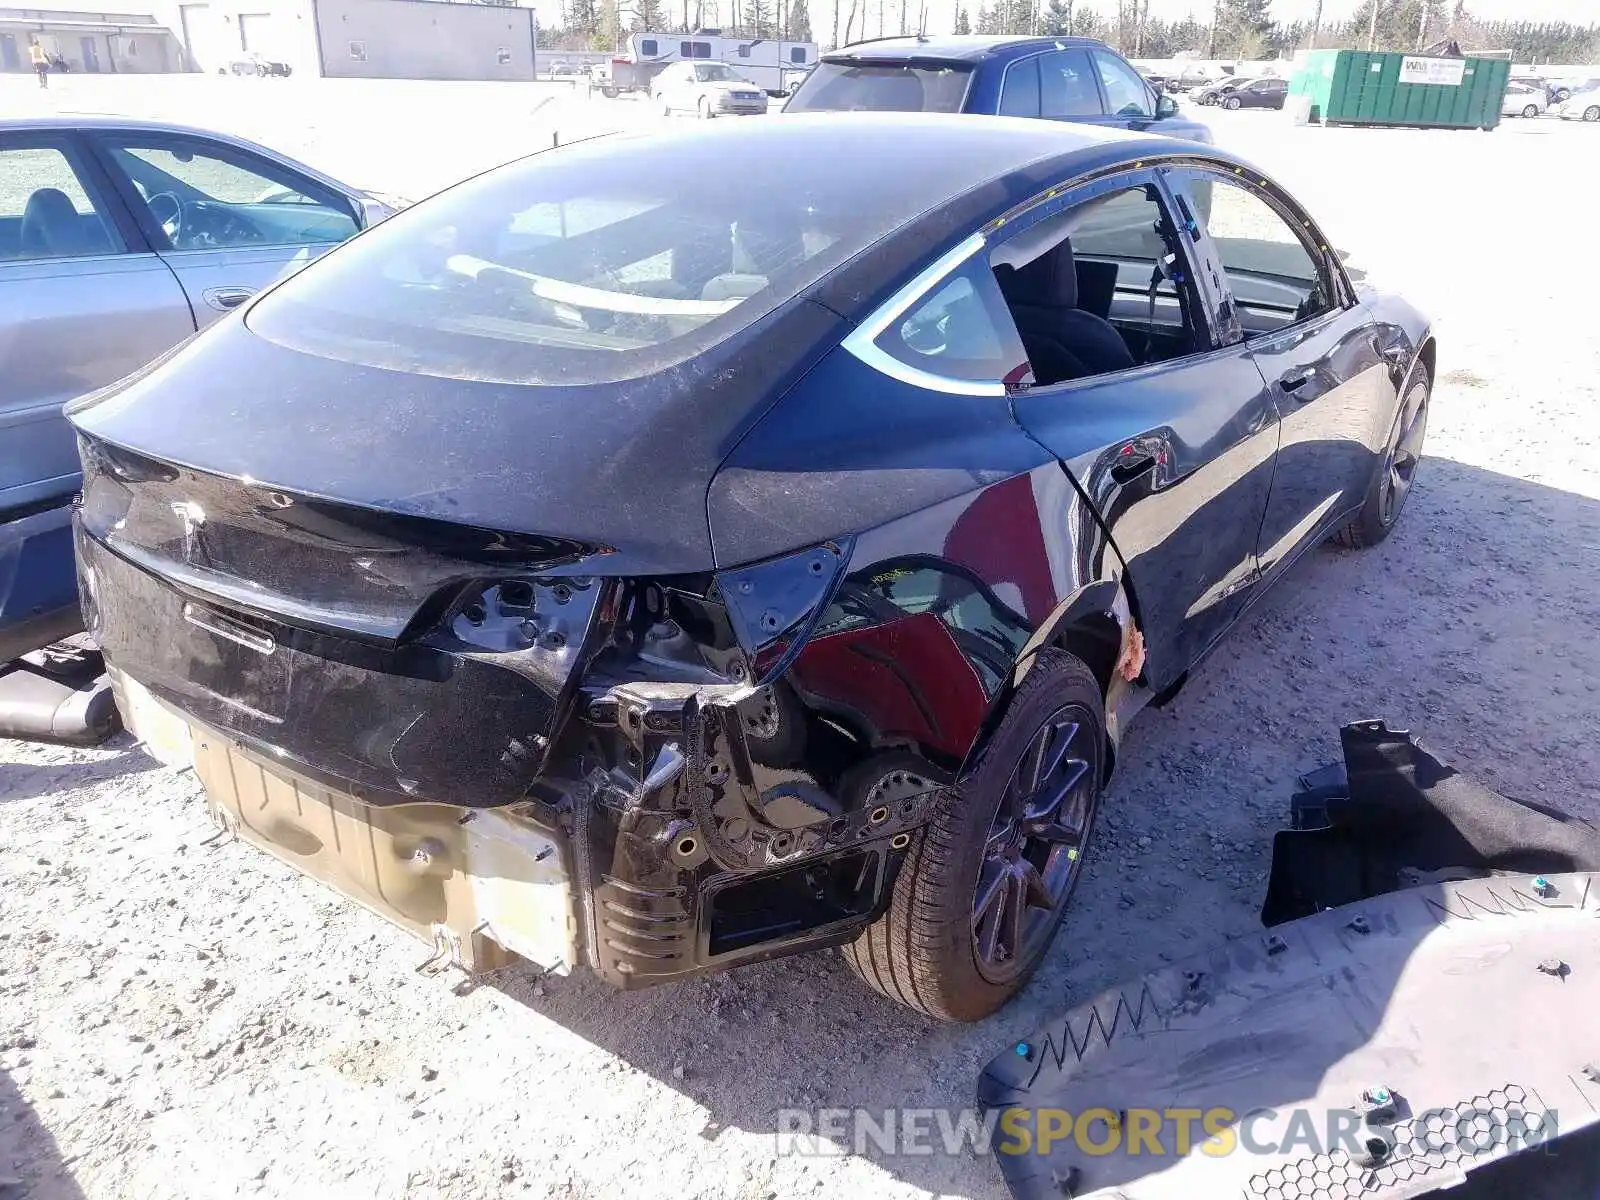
column 986, row 528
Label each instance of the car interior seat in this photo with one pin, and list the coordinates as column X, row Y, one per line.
column 1063, row 341
column 52, row 226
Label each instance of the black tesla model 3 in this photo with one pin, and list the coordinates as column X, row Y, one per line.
column 674, row 551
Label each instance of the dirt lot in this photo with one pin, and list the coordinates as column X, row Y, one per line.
column 185, row 1017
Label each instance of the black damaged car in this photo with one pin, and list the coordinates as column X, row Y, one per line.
column 618, row 561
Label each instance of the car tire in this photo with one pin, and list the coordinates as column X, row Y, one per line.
column 1592, row 113
column 704, row 108
column 1391, row 483
column 1530, row 110
column 1232, row 103
column 661, row 103
column 925, row 950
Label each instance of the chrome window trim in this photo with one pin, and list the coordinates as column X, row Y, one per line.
column 863, row 340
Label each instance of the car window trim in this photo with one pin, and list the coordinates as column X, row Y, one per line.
column 101, row 142
column 1299, row 222
column 862, row 342
column 101, row 189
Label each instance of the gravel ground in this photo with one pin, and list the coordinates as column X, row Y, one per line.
column 184, row 1017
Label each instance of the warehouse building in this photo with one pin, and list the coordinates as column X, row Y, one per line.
column 90, row 42
column 374, row 39
column 378, row 39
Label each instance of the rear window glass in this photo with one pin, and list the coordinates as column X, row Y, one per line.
column 882, row 87
column 601, row 261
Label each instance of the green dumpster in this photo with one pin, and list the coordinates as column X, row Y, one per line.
column 1360, row 87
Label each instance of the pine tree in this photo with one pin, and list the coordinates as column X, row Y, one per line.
column 799, row 22
column 963, row 25
column 989, row 18
column 760, row 18
column 583, row 22
column 1243, row 27
column 648, row 14
column 1058, row 17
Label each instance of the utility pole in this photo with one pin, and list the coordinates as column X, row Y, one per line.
column 1422, row 26
column 1316, row 25
column 1372, row 28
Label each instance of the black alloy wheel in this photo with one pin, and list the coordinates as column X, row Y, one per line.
column 983, row 886
column 1397, row 469
column 1405, row 453
column 1034, row 850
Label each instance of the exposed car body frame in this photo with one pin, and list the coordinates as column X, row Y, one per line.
column 633, row 702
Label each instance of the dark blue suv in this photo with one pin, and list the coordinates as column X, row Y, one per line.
column 1062, row 79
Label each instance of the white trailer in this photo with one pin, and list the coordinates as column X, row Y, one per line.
column 768, row 63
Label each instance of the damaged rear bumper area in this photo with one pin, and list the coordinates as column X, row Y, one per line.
column 602, row 807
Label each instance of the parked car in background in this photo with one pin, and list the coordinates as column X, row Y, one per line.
column 707, row 89
column 662, row 582
column 1563, row 89
column 1062, row 79
column 1523, row 100
column 256, row 64
column 1581, row 106
column 1265, row 92
column 117, row 240
column 1194, row 76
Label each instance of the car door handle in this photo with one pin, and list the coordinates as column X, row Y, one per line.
column 1292, row 384
column 1131, row 464
column 224, row 298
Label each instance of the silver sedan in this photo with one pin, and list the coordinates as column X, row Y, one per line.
column 118, row 240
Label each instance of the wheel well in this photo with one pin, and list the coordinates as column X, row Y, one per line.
column 1096, row 639
column 1429, row 355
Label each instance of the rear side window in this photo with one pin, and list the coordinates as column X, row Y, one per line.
column 45, row 211
column 959, row 331
column 881, row 87
column 1019, row 94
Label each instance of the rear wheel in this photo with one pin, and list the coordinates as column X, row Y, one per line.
column 980, row 896
column 1530, row 110
column 1397, row 469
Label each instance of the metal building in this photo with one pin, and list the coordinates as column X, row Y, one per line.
column 379, row 39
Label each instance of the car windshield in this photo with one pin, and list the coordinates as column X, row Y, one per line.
column 717, row 73
column 882, row 87
column 605, row 260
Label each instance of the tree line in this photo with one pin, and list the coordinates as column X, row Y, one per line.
column 1242, row 29
column 601, row 24
column 1245, row 29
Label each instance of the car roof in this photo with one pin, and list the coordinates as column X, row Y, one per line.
column 103, row 121
column 955, row 47
column 83, row 120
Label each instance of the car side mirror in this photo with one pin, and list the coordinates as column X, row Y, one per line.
column 1166, row 106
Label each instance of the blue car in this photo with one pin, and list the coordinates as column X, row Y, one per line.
column 1060, row 79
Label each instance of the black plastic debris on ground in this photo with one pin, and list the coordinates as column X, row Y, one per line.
column 1393, row 816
